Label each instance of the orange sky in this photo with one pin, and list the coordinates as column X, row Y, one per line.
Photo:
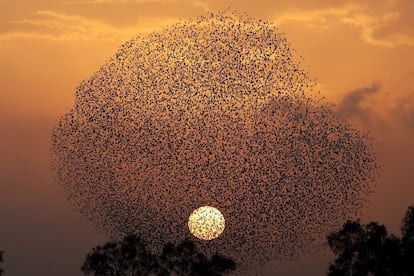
column 360, row 52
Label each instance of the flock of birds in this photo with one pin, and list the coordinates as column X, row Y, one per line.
column 213, row 111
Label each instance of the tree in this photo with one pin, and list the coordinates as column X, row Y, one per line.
column 128, row 257
column 368, row 249
column 185, row 260
column 407, row 241
column 131, row 257
column 1, row 261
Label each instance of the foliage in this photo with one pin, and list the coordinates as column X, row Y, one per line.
column 131, row 257
column 185, row 260
column 1, row 261
column 128, row 257
column 407, row 241
column 369, row 250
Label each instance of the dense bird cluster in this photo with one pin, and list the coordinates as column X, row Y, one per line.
column 213, row 111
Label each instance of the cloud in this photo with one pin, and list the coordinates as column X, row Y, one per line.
column 194, row 3
column 372, row 25
column 404, row 111
column 56, row 26
column 92, row 2
column 351, row 104
column 322, row 18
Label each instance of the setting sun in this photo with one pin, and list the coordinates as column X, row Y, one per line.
column 206, row 223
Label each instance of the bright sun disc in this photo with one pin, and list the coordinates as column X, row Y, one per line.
column 206, row 223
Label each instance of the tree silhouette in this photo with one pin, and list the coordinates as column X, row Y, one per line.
column 407, row 241
column 131, row 257
column 368, row 249
column 185, row 260
column 128, row 257
column 1, row 261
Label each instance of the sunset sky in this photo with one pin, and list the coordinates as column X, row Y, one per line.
column 361, row 54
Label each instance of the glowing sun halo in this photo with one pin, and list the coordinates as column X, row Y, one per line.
column 206, row 223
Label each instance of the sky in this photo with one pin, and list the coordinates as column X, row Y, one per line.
column 361, row 54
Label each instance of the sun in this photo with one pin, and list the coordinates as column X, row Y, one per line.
column 206, row 223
